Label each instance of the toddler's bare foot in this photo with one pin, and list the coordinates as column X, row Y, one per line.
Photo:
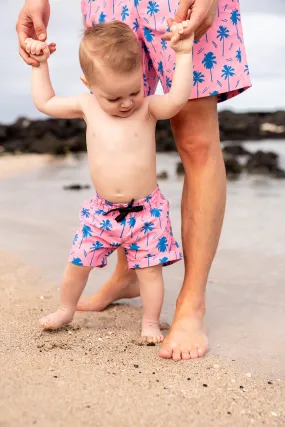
column 150, row 332
column 56, row 320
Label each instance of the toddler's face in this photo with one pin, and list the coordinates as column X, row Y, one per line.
column 120, row 94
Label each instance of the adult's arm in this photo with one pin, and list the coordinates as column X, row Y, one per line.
column 32, row 23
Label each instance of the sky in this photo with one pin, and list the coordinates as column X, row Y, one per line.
column 264, row 35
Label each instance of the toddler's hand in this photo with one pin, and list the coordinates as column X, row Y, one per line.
column 38, row 50
column 179, row 42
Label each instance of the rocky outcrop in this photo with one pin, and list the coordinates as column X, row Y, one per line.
column 58, row 136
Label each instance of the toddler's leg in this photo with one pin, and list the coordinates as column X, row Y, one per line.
column 151, row 290
column 74, row 280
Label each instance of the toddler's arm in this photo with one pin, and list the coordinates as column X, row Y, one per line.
column 166, row 106
column 42, row 91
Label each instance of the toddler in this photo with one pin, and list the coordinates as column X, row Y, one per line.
column 128, row 209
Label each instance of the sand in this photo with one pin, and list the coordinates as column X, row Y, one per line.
column 12, row 165
column 93, row 373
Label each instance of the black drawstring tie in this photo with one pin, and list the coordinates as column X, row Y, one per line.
column 125, row 211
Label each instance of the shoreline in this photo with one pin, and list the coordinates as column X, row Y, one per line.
column 14, row 164
column 93, row 371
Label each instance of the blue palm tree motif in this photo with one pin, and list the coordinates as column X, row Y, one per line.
column 155, row 212
column 75, row 239
column 134, row 247
column 238, row 55
column 105, row 225
column 162, row 244
column 149, row 35
column 147, row 227
column 148, row 257
column 77, row 261
column 123, row 223
column 90, row 1
column 169, row 8
column 136, row 266
column 160, row 68
column 215, row 92
column 222, row 34
column 86, row 231
column 132, row 222
column 125, row 13
column 163, row 260
column 136, row 3
column 102, row 17
column 136, row 25
column 115, row 244
column 148, row 199
column 198, row 77
column 97, row 245
column 177, row 246
column 235, row 18
column 209, row 62
column 228, row 72
column 152, row 10
column 85, row 212
column 246, row 70
column 163, row 44
column 98, row 212
column 168, row 82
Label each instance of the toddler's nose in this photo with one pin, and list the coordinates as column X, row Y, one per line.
column 128, row 103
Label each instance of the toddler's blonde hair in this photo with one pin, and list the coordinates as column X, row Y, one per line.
column 114, row 44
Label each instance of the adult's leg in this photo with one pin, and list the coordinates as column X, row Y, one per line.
column 196, row 133
column 122, row 284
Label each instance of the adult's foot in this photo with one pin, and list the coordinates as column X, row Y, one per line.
column 119, row 286
column 187, row 338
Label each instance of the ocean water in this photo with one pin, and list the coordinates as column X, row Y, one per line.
column 246, row 289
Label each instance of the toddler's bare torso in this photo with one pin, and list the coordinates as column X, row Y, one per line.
column 121, row 152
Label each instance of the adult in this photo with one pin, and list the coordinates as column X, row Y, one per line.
column 220, row 72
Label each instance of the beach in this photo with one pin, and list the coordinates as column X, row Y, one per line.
column 93, row 372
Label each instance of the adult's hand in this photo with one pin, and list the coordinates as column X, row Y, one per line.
column 201, row 14
column 32, row 23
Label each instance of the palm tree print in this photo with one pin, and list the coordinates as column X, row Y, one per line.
column 235, row 18
column 134, row 247
column 163, row 260
column 155, row 212
column 136, row 25
column 148, row 199
column 77, row 261
column 123, row 222
column 98, row 212
column 209, row 62
column 137, row 266
column 198, row 77
column 169, row 8
column 86, row 231
column 162, row 244
column 163, row 44
column 246, row 70
column 222, row 34
column 95, row 247
column 160, row 68
column 215, row 92
column 90, row 1
column 105, row 225
column 102, row 17
column 228, row 72
column 75, row 239
column 132, row 222
column 136, row 3
column 85, row 212
column 125, row 13
column 152, row 10
column 238, row 55
column 149, row 35
column 168, row 82
column 147, row 227
column 148, row 257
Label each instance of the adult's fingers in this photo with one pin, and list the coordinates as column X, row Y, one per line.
column 40, row 28
column 182, row 11
column 26, row 57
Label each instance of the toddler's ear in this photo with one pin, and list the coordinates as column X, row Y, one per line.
column 85, row 82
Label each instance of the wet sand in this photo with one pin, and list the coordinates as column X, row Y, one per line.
column 93, row 372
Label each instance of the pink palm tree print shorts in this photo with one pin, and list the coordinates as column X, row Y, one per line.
column 219, row 58
column 144, row 232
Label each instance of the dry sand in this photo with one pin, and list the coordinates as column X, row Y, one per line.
column 12, row 165
column 93, row 373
